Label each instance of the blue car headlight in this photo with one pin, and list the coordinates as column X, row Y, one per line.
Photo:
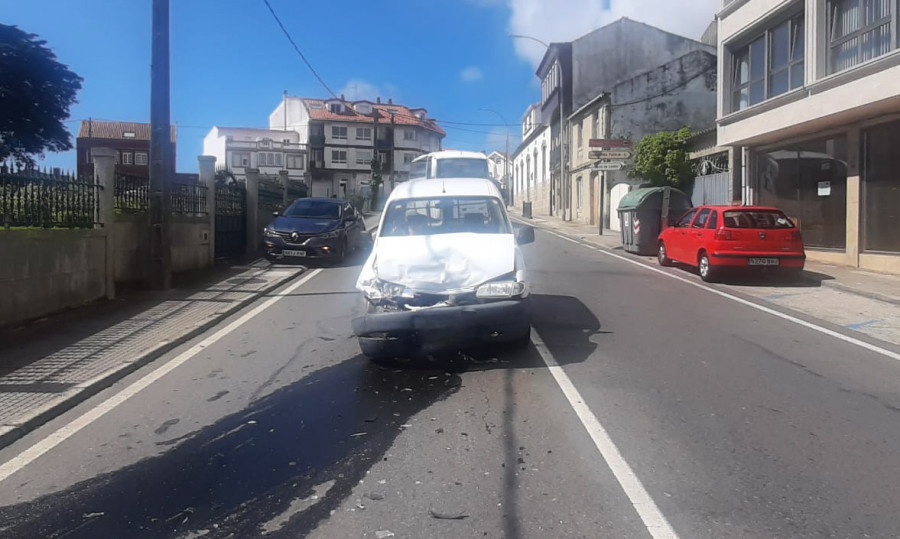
column 330, row 235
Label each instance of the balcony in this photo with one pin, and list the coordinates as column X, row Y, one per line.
column 384, row 144
column 316, row 164
column 554, row 158
column 317, row 140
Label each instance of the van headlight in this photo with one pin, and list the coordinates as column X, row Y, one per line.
column 377, row 289
column 500, row 289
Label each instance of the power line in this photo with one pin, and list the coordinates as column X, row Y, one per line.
column 296, row 48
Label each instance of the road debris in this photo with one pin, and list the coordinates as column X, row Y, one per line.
column 384, row 534
column 447, row 516
column 373, row 496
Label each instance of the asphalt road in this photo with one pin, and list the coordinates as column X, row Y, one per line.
column 707, row 418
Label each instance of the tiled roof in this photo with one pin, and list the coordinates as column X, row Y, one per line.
column 402, row 116
column 117, row 130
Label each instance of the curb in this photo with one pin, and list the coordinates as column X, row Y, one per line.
column 85, row 390
column 863, row 293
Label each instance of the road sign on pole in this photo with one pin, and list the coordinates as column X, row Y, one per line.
column 612, row 165
column 609, row 154
column 609, row 143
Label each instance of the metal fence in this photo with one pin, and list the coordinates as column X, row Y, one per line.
column 30, row 198
column 132, row 194
column 188, row 198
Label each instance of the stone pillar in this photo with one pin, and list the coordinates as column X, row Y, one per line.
column 253, row 232
column 105, row 172
column 285, row 181
column 207, row 164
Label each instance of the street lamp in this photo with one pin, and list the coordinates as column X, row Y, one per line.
column 562, row 154
column 505, row 156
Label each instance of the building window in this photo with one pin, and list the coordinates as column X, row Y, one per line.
column 409, row 134
column 126, row 158
column 240, row 159
column 268, row 159
column 408, row 158
column 881, row 188
column 768, row 66
column 364, row 157
column 364, row 133
column 579, row 192
column 141, row 158
column 808, row 180
column 338, row 132
column 335, row 107
column 859, row 30
column 339, row 156
column 294, row 161
column 595, row 130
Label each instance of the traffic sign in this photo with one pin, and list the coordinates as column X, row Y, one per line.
column 612, row 165
column 609, row 143
column 609, row 154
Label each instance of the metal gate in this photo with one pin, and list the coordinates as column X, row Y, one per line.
column 231, row 221
column 712, row 189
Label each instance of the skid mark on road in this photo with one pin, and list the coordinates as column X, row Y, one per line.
column 35, row 451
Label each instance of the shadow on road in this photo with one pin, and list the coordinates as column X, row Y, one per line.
column 250, row 468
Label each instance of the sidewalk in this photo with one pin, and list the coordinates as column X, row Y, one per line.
column 50, row 366
column 877, row 286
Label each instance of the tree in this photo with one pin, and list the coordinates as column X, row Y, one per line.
column 661, row 159
column 36, row 92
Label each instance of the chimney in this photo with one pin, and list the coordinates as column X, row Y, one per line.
column 342, row 97
column 378, row 100
column 390, row 101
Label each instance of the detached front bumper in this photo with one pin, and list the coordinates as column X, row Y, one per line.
column 429, row 330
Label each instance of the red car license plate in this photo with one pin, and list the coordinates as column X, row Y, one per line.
column 762, row 262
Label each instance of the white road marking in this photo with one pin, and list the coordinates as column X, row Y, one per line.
column 846, row 338
column 653, row 519
column 35, row 451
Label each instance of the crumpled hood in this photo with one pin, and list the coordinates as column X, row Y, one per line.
column 440, row 263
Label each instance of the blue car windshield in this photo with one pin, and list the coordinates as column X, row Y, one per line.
column 314, row 209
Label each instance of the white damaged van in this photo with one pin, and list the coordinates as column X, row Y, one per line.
column 445, row 272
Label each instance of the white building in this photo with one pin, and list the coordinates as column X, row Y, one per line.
column 809, row 99
column 266, row 150
column 531, row 164
column 344, row 136
column 497, row 167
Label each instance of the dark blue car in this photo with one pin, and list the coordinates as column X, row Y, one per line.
column 315, row 228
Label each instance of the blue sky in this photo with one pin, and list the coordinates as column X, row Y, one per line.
column 230, row 62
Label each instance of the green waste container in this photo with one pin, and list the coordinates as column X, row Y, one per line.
column 642, row 212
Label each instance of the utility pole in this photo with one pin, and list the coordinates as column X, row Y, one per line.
column 160, row 153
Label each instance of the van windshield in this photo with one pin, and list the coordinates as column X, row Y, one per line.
column 462, row 167
column 445, row 215
column 417, row 169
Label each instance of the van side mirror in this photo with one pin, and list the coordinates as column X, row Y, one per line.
column 524, row 234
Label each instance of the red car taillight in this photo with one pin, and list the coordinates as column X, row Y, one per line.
column 794, row 235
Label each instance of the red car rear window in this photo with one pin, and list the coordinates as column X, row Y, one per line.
column 756, row 219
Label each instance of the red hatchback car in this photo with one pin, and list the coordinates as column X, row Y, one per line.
column 713, row 238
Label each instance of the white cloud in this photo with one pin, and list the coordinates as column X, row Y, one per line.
column 566, row 20
column 357, row 89
column 471, row 74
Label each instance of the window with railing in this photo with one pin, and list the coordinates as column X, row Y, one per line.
column 860, row 30
column 339, row 156
column 338, row 132
column 771, row 64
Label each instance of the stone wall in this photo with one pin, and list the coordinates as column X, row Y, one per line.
column 45, row 271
